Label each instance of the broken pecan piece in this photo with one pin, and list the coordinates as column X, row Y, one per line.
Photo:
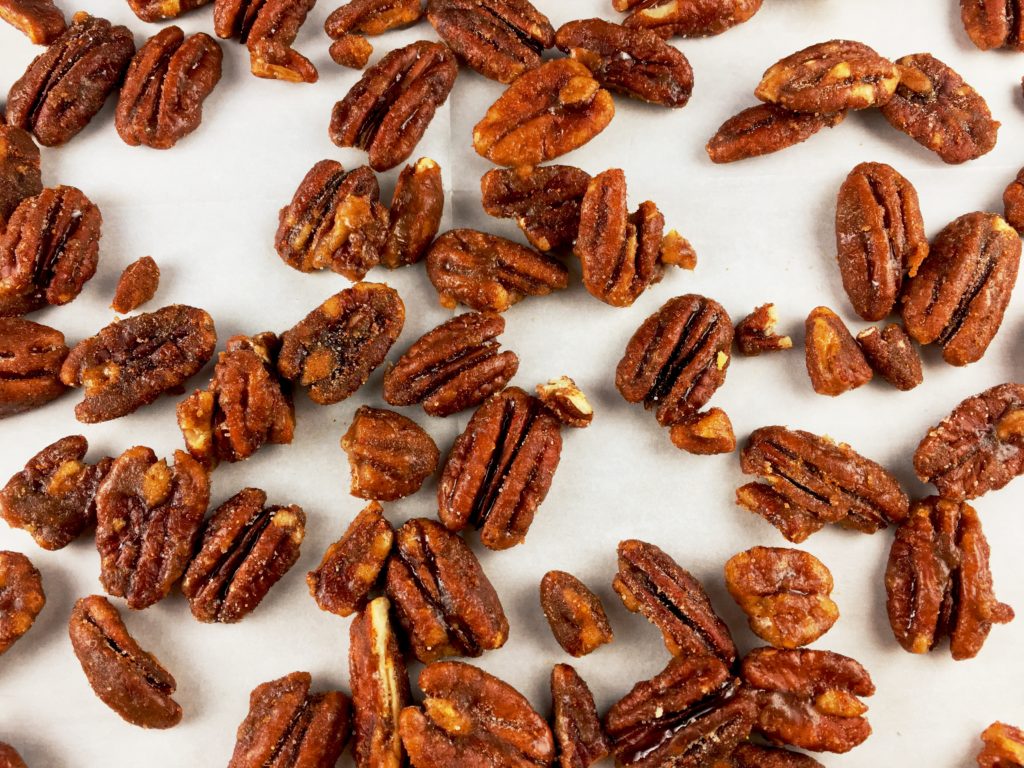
column 1013, row 202
column 574, row 613
column 1004, row 747
column 565, row 400
column 415, row 214
column 138, row 284
column 545, row 201
column 389, row 454
column 755, row 333
column 20, row 172
column 993, row 23
column 766, row 128
column 30, row 359
column 40, row 20
column 687, row 18
column 355, row 18
column 161, row 10
column 21, row 597
column 267, row 28
column 835, row 363
column 707, row 433
column 892, row 355
column 576, row 726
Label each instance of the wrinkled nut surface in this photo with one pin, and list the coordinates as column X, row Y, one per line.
column 389, row 454
column 707, row 433
column 1013, row 202
column 124, row 677
column 835, row 363
column 40, row 20
column 20, row 171
column 9, row 757
column 755, row 333
column 687, row 18
column 766, row 128
column 993, row 23
column 749, row 755
column 545, row 113
column 355, row 18
column 574, row 613
column 160, row 10
column 563, row 398
column 892, row 355
column 267, row 28
column 30, row 359
column 455, row 366
column 21, row 597
column 577, row 728
column 137, row 285
column 415, row 214
column 1004, row 747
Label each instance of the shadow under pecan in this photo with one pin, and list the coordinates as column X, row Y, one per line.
column 415, row 214
column 993, row 23
column 389, row 454
column 20, row 171
column 577, row 728
column 30, row 359
column 756, row 333
column 138, row 284
column 161, row 10
column 355, row 18
column 687, row 18
column 267, row 28
column 1004, row 747
column 834, row 360
column 574, row 613
column 766, row 128
column 40, row 20
column 892, row 355
column 21, row 597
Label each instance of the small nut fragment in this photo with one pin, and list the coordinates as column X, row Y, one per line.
column 577, row 728
column 835, row 364
column 993, row 23
column 355, row 18
column 267, row 28
column 892, row 355
column 687, row 18
column 20, row 171
column 415, row 214
column 1013, row 202
column 40, row 20
column 766, row 128
column 705, row 434
column 138, row 284
column 564, row 399
column 574, row 613
column 31, row 356
column 755, row 333
column 21, row 597
column 1004, row 747
column 389, row 454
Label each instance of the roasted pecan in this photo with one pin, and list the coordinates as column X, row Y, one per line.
column 1013, row 202
column 892, row 355
column 489, row 273
column 564, row 399
column 961, row 291
column 137, row 285
column 389, row 454
column 389, row 109
column 670, row 597
column 452, row 367
column 993, row 23
column 830, row 77
column 835, row 363
column 748, row 755
column 442, row 596
column 811, row 480
column 30, row 359
column 1004, row 747
column 53, row 497
column 677, row 359
column 574, row 613
column 577, row 728
column 415, row 215
column 545, row 201
column 9, row 757
column 20, row 172
column 289, row 727
column 545, row 113
column 21, row 597
column 336, row 347
column 148, row 516
column 764, row 129
column 473, row 719
column 347, row 25
column 755, row 333
column 66, row 85
column 160, row 10
column 131, row 362
column 123, row 676
column 705, row 434
column 40, row 20
column 687, row 18
column 267, row 28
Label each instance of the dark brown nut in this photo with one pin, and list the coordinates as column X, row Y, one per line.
column 880, row 237
column 892, row 355
column 49, row 250
column 123, row 676
column 578, row 734
column 66, row 85
column 473, row 719
column 148, row 516
column 9, row 757
column 500, row 39
column 566, row 401
column 138, row 284
column 670, row 597
column 545, row 113
column 40, row 20
column 347, row 25
column 785, row 594
column 1004, row 747
column 961, row 291
column 677, row 359
column 993, row 23
column 20, row 172
column 389, row 454
column 830, row 77
column 387, row 112
column 755, row 333
column 452, row 367
column 161, row 10
column 415, row 214
column 336, row 347
column 131, row 362
column 810, row 480
column 245, row 548
column 574, row 613
column 267, row 28
column 809, row 699
column 489, row 273
column 30, row 359
column 766, row 128
column 289, row 727
column 705, row 434
column 442, row 597
column 756, row 756
column 53, row 497
column 687, row 18
column 1013, row 202
column 21, row 597
column 835, row 363
column 937, row 109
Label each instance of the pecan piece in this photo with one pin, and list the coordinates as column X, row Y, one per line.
column 442, row 597
column 137, row 285
column 766, row 128
column 574, row 613
column 750, row 755
column 755, row 333
column 40, row 20
column 961, row 291
column 387, row 112
column 1013, row 202
column 687, row 18
column 20, row 172
column 347, row 25
column 30, row 359
column 389, row 454
column 21, row 597
column 124, row 677
column 705, row 434
column 415, row 214
column 565, row 400
column 835, row 363
column 161, row 10
column 1004, row 747
column 9, row 757
column 267, row 28
column 993, row 23
column 892, row 355
column 576, row 726
column 452, row 367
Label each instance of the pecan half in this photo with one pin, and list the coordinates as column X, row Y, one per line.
column 30, row 359
column 9, row 757
column 348, row 23
column 40, row 20
column 892, row 355
column 750, row 755
column 993, row 23
column 267, row 28
column 566, row 401
column 415, row 214
column 20, row 171
column 1004, row 747
column 21, row 597
column 574, row 613
column 755, row 333
column 160, row 10
column 766, row 128
column 545, row 201
column 137, row 285
column 576, row 726
column 1013, row 202
column 707, row 433
column 687, row 18
column 389, row 454
column 835, row 363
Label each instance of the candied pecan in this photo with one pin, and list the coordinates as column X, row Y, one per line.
column 415, row 214
column 576, row 726
column 677, row 359
column 830, row 77
column 389, row 454
column 545, row 113
column 1013, row 202
column 289, row 727
column 20, row 172
column 131, row 362
column 544, row 201
column 452, row 367
column 387, row 112
column 441, row 594
column 961, row 291
column 766, row 128
column 564, row 399
column 500, row 39
column 347, row 25
column 687, row 18
column 706, row 433
column 993, row 23
column 137, row 285
column 161, row 10
column 755, row 333
column 9, row 757
column 126, row 678
column 835, row 363
column 66, row 85
column 21, row 597
column 489, row 273
column 892, row 355
column 267, row 28
column 574, row 613
column 30, row 359
column 148, row 516
column 53, row 497
column 473, row 719
column 749, row 755
column 49, row 250
column 336, row 347
column 670, row 597
column 40, row 20
column 1004, row 747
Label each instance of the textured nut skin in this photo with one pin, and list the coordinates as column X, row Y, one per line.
column 1004, row 747
column 9, row 757
column 137, row 285
column 961, row 291
column 30, row 359
column 267, row 28
column 160, row 10
column 20, row 171
column 756, row 334
column 66, row 85
column 355, row 18
column 40, row 20
column 53, row 497
column 880, row 237
column 687, row 18
column 574, row 613
column 892, row 355
column 766, row 128
column 545, row 113
column 704, row 434
column 566, row 401
column 1013, row 202
column 574, row 721
column 415, row 214
column 442, row 596
column 21, row 597
column 124, row 677
column 993, row 23
column 455, row 366
column 387, row 112
column 750, row 755
column 835, row 363
column 389, row 454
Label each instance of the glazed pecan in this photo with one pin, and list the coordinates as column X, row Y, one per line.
column 545, row 113
column 809, row 699
column 160, row 10
column 475, row 720
column 131, row 362
column 880, row 237
column 1004, row 747
column 961, row 291
column 755, row 333
column 993, row 23
column 137, row 285
column 40, row 20
column 835, row 363
column 452, row 367
column 892, row 355
column 705, row 434
column 415, row 214
column 810, row 480
column 687, row 18
column 576, row 726
column 20, row 172
column 289, row 727
column 389, row 454
column 750, row 755
column 489, row 273
column 565, row 400
column 53, row 497
column 336, row 347
column 49, row 250
column 441, row 594
column 766, row 128
column 148, row 516
column 21, row 597
column 670, row 597
column 1013, row 202
column 267, row 28
column 347, row 25
column 30, row 359
column 545, row 201
column 66, row 85
column 500, row 39
column 9, row 757
column 677, row 359
column 387, row 112
column 574, row 613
